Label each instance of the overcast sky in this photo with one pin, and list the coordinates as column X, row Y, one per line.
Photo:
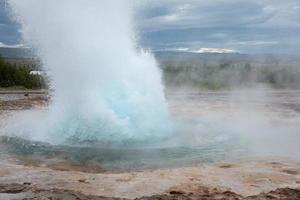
column 246, row 26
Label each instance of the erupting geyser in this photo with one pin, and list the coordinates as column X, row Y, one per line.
column 105, row 89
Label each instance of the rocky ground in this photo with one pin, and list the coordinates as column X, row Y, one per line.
column 17, row 191
column 243, row 180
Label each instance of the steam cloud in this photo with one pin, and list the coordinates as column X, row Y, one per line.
column 104, row 87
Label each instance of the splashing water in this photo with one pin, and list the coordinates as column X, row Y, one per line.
column 104, row 88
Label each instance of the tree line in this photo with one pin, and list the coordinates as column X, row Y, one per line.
column 13, row 75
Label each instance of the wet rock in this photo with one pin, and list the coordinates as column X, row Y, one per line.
column 279, row 194
column 82, row 181
column 215, row 194
column 174, row 192
column 13, row 188
column 289, row 171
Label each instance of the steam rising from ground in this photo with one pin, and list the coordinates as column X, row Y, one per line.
column 105, row 89
column 262, row 121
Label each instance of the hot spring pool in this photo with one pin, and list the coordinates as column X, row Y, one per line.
column 125, row 158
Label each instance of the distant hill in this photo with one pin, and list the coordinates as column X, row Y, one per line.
column 15, row 52
column 178, row 56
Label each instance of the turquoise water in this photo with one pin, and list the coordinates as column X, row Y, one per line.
column 172, row 152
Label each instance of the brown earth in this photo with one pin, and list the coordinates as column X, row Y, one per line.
column 28, row 192
column 275, row 179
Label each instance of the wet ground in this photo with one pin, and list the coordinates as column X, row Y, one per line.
column 22, row 100
column 258, row 126
column 210, row 127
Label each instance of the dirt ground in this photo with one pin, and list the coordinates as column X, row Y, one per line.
column 271, row 179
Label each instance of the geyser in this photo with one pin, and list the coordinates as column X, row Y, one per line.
column 105, row 88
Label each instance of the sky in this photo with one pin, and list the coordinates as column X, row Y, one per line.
column 244, row 26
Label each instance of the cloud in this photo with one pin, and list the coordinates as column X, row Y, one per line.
column 13, row 46
column 214, row 50
column 206, row 50
column 253, row 26
column 194, row 14
column 258, row 42
column 9, row 31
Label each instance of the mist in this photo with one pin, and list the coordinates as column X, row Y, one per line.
column 247, row 100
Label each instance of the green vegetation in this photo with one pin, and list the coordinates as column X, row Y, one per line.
column 18, row 76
